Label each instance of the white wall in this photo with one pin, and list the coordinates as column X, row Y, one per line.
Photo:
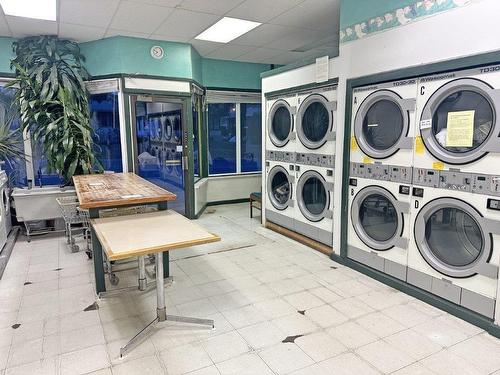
column 225, row 188
column 460, row 32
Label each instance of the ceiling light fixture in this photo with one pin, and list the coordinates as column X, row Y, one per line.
column 227, row 29
column 38, row 9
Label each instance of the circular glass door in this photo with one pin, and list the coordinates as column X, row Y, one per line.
column 279, row 187
column 168, row 129
column 377, row 218
column 449, row 235
column 380, row 124
column 313, row 197
column 314, row 121
column 280, row 123
column 449, row 112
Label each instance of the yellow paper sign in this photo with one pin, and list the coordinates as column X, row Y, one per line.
column 437, row 165
column 354, row 144
column 367, row 160
column 419, row 145
column 460, row 129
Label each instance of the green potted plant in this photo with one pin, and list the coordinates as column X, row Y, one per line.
column 11, row 144
column 53, row 102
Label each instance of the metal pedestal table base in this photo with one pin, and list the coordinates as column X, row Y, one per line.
column 161, row 312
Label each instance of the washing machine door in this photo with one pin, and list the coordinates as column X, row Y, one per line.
column 382, row 122
column 168, row 129
column 315, row 121
column 279, row 188
column 313, row 196
column 455, row 239
column 378, row 218
column 453, row 142
column 280, row 123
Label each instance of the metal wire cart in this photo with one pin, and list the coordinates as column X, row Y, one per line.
column 75, row 220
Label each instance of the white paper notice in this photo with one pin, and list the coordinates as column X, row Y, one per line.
column 322, row 69
column 425, row 124
column 178, row 149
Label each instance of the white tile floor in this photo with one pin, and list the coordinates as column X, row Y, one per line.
column 252, row 283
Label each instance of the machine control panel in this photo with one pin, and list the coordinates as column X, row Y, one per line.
column 378, row 172
column 486, row 184
column 400, row 174
column 317, row 160
column 284, row 156
column 382, row 172
column 455, row 181
column 426, row 177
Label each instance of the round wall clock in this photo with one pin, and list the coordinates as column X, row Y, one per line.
column 157, row 52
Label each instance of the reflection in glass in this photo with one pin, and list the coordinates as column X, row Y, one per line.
column 315, row 122
column 378, row 217
column 15, row 169
column 454, row 237
column 196, row 113
column 159, row 159
column 383, row 124
column 222, row 138
column 463, row 101
column 314, row 196
column 280, row 188
column 251, row 137
column 281, row 124
column 105, row 120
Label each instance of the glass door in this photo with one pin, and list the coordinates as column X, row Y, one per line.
column 160, row 149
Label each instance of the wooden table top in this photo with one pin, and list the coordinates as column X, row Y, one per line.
column 134, row 235
column 117, row 189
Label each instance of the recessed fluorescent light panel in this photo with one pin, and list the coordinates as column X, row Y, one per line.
column 39, row 9
column 227, row 29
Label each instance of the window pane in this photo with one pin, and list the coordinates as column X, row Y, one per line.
column 15, row 169
column 43, row 175
column 105, row 120
column 197, row 117
column 222, row 138
column 251, row 137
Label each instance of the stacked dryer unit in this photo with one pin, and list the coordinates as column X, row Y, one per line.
column 300, row 154
column 280, row 160
column 315, row 163
column 455, row 239
column 382, row 131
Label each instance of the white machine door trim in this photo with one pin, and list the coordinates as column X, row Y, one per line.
column 392, row 102
column 429, row 129
column 329, row 133
column 283, row 107
column 473, row 240
column 399, row 208
column 326, row 190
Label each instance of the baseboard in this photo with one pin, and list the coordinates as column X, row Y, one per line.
column 300, row 238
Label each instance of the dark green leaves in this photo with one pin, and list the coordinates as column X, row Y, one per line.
column 54, row 102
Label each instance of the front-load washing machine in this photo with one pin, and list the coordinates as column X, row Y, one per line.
column 454, row 249
column 458, row 116
column 314, row 197
column 379, row 217
column 383, row 123
column 280, row 123
column 316, row 120
column 5, row 223
column 280, row 179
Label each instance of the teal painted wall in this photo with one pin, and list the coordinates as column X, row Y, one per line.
column 353, row 11
column 6, row 54
column 232, row 74
column 126, row 55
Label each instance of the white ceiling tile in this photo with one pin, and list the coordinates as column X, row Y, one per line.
column 80, row 33
column 312, row 14
column 260, row 55
column 229, row 51
column 185, row 23
column 21, row 27
column 114, row 32
column 138, row 17
column 296, row 40
column 263, row 35
column 204, row 47
column 87, row 12
column 4, row 28
column 163, row 3
column 262, row 10
column 170, row 38
column 218, row 7
column 286, row 58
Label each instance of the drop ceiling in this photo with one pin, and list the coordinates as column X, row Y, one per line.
column 291, row 30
